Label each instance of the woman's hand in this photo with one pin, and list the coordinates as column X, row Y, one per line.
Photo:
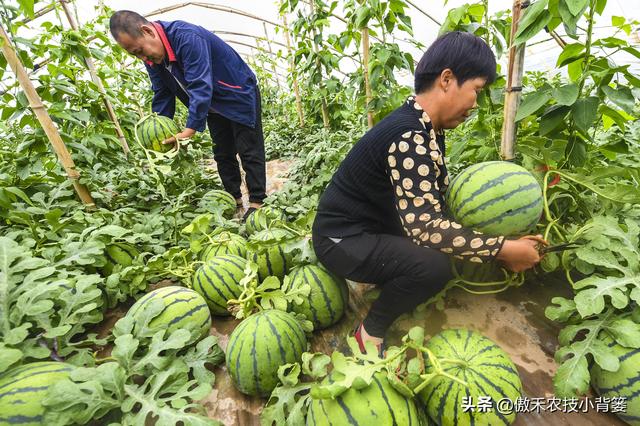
column 185, row 134
column 521, row 254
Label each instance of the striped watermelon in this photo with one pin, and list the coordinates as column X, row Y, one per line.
column 270, row 256
column 263, row 218
column 487, row 370
column 496, row 197
column 153, row 129
column 119, row 254
column 184, row 309
column 218, row 280
column 328, row 298
column 23, row 388
column 225, row 243
column 625, row 382
column 259, row 345
column 220, row 201
column 377, row 404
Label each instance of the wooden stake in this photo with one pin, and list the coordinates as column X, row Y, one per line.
column 325, row 109
column 513, row 88
column 43, row 117
column 365, row 69
column 296, row 88
column 98, row 82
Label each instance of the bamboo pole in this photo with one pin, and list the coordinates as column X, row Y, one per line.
column 424, row 13
column 210, row 6
column 38, row 14
column 296, row 88
column 365, row 69
column 98, row 82
column 324, row 107
column 514, row 86
column 43, row 117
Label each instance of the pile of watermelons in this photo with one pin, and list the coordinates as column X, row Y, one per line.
column 495, row 197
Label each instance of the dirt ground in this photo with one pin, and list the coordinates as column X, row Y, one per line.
column 513, row 319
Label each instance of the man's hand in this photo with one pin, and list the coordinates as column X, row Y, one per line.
column 521, row 254
column 185, row 134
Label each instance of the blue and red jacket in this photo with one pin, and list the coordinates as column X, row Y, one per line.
column 213, row 75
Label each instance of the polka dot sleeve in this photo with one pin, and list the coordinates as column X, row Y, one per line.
column 417, row 172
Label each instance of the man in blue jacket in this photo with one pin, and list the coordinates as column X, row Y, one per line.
column 219, row 89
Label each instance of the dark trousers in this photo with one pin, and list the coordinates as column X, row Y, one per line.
column 408, row 274
column 230, row 139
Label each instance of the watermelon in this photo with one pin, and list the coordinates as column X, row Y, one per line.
column 184, row 309
column 218, row 280
column 225, row 243
column 23, row 388
column 119, row 254
column 328, row 298
column 623, row 383
column 487, row 370
column 377, row 404
column 220, row 201
column 259, row 345
column 153, row 129
column 496, row 197
column 269, row 254
column 263, row 218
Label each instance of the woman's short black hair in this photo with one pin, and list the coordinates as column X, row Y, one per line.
column 467, row 55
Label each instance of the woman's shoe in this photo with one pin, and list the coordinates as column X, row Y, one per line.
column 357, row 333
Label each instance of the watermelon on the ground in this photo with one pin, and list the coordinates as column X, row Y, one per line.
column 153, row 129
column 225, row 243
column 496, row 197
column 119, row 253
column 622, row 383
column 377, row 404
column 270, row 256
column 219, row 201
column 328, row 298
column 23, row 388
column 184, row 309
column 488, row 371
column 218, row 280
column 263, row 218
column 259, row 345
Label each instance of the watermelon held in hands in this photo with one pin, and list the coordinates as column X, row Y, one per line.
column 488, row 371
column 496, row 197
column 225, row 243
column 23, row 388
column 377, row 404
column 218, row 280
column 622, row 383
column 184, row 309
column 153, row 129
column 219, row 201
column 259, row 345
column 328, row 299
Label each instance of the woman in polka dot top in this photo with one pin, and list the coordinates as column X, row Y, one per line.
column 382, row 217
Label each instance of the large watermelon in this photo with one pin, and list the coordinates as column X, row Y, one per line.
column 220, row 201
column 184, row 309
column 225, row 243
column 259, row 346
column 328, row 298
column 625, row 382
column 487, row 370
column 218, row 280
column 23, row 388
column 119, row 253
column 378, row 404
column 262, row 218
column 270, row 256
column 496, row 197
column 153, row 129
